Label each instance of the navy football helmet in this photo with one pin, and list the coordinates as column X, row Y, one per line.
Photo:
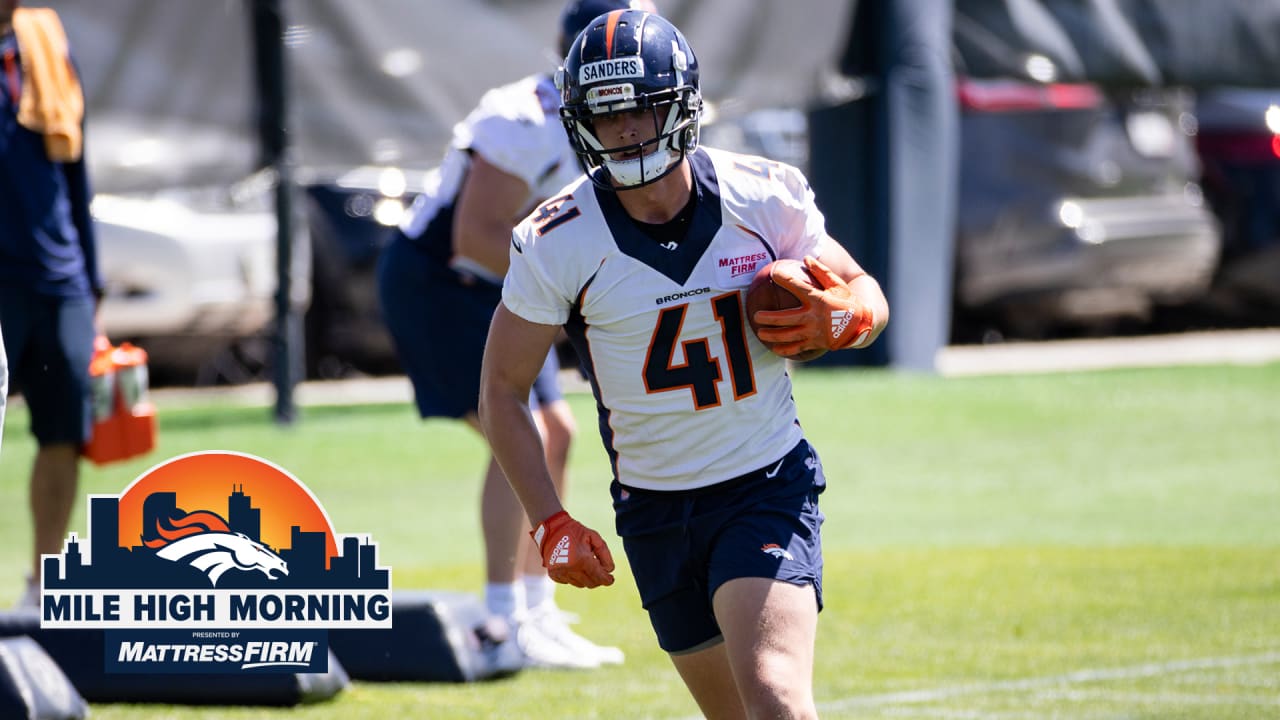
column 627, row 61
column 577, row 13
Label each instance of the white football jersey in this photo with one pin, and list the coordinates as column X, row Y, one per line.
column 516, row 128
column 687, row 396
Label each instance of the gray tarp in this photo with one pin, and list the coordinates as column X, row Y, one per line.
column 382, row 81
column 378, row 81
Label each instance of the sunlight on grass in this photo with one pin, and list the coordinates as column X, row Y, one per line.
column 985, row 539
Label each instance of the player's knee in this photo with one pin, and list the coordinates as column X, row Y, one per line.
column 560, row 419
column 793, row 704
column 558, row 431
column 557, row 446
column 777, row 688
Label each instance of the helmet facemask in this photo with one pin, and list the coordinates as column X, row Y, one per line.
column 674, row 116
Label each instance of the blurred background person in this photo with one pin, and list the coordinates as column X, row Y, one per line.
column 439, row 282
column 49, row 279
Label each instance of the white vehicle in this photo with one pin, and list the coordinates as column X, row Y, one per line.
column 175, row 271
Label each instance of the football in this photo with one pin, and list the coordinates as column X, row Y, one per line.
column 764, row 294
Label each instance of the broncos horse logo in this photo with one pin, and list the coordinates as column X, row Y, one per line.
column 203, row 540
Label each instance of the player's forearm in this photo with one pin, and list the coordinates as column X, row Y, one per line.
column 868, row 291
column 517, row 446
column 486, row 244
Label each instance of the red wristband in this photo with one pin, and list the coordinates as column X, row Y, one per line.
column 540, row 533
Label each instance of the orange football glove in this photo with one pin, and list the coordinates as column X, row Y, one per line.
column 830, row 317
column 573, row 553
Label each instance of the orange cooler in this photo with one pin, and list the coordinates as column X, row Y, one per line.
column 124, row 420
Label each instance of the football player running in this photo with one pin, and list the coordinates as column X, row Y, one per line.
column 643, row 262
column 438, row 283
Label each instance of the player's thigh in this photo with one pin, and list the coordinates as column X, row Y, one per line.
column 710, row 680
column 770, row 627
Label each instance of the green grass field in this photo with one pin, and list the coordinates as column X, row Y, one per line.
column 1094, row 545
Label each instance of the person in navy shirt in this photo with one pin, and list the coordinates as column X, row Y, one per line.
column 49, row 286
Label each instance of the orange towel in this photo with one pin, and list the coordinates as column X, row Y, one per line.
column 52, row 102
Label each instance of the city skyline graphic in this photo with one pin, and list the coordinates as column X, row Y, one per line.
column 203, row 481
column 132, row 536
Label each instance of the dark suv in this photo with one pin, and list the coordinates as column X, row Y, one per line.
column 1076, row 207
column 1238, row 136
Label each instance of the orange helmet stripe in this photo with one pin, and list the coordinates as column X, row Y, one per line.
column 612, row 25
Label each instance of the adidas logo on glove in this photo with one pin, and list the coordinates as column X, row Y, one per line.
column 560, row 555
column 839, row 321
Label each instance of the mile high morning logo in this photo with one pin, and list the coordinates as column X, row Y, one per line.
column 214, row 562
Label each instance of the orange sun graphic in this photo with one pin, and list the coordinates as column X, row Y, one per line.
column 207, row 481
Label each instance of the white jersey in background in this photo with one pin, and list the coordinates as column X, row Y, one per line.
column 517, row 129
column 687, row 395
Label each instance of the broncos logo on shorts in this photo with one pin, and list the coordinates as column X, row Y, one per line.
column 203, row 540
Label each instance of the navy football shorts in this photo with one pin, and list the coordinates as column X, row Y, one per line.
column 683, row 545
column 439, row 321
column 546, row 387
column 49, row 341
